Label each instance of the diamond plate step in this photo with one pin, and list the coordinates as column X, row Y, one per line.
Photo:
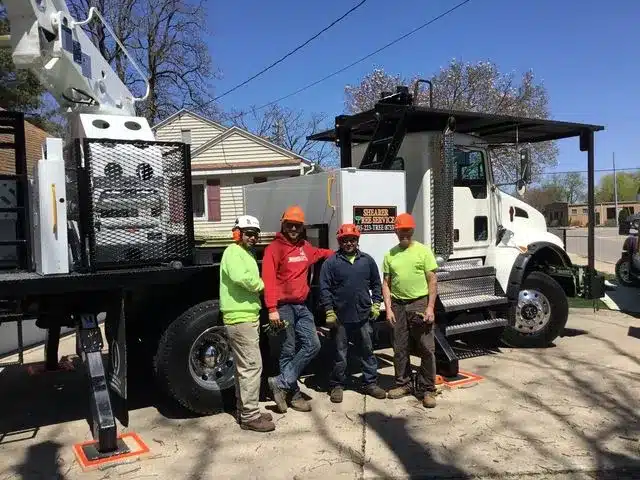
column 467, row 287
column 457, row 303
column 463, row 264
column 475, row 326
column 445, row 275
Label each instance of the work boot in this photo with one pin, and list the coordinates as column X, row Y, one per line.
column 279, row 395
column 299, row 403
column 399, row 392
column 375, row 391
column 260, row 424
column 266, row 415
column 336, row 394
column 429, row 400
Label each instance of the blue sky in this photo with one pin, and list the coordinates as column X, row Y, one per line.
column 585, row 52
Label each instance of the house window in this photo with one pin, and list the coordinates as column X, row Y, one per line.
column 574, row 211
column 214, row 213
column 259, row 179
column 611, row 213
column 186, row 136
column 197, row 192
column 584, row 210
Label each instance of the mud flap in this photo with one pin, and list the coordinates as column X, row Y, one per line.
column 117, row 373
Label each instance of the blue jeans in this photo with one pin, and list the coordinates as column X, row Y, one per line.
column 360, row 334
column 300, row 346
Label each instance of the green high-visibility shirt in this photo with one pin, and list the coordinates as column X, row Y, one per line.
column 240, row 286
column 407, row 268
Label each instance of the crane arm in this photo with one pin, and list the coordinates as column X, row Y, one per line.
column 49, row 42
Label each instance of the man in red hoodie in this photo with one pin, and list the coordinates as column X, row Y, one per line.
column 285, row 268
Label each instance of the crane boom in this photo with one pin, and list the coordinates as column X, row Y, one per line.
column 49, row 42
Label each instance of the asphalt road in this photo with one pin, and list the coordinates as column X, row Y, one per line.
column 608, row 244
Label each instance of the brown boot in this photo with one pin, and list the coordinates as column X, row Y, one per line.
column 336, row 394
column 266, row 415
column 260, row 424
column 429, row 400
column 374, row 391
column 299, row 403
column 399, row 392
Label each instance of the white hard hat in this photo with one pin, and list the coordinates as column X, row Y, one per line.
column 247, row 221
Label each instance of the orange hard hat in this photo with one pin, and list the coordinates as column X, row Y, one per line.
column 348, row 230
column 405, row 220
column 293, row 214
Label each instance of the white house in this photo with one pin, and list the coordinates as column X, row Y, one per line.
column 222, row 160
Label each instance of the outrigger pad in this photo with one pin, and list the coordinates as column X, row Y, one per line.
column 463, row 378
column 130, row 445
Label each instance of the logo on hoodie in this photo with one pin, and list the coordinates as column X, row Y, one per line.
column 301, row 257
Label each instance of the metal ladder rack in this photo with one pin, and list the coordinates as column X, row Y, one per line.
column 12, row 124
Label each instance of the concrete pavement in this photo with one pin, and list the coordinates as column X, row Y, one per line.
column 571, row 408
column 608, row 244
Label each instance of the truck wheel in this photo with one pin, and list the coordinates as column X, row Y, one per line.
column 623, row 269
column 193, row 362
column 540, row 314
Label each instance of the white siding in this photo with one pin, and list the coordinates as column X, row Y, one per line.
column 201, row 131
column 238, row 149
column 231, row 204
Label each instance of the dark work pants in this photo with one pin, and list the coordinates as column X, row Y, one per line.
column 410, row 324
column 360, row 334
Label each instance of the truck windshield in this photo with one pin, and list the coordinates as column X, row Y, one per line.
column 469, row 167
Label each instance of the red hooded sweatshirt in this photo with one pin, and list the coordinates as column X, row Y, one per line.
column 285, row 268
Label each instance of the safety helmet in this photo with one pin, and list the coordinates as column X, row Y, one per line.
column 247, row 222
column 348, row 230
column 405, row 220
column 293, row 214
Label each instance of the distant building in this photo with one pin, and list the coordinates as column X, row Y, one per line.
column 223, row 159
column 605, row 213
column 34, row 138
column 556, row 214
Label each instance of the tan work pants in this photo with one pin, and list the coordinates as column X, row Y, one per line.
column 244, row 341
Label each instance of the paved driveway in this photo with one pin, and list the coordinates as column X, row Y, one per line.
column 570, row 408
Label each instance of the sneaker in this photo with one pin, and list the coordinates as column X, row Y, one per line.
column 299, row 403
column 375, row 391
column 279, row 395
column 260, row 424
column 429, row 400
column 399, row 392
column 336, row 394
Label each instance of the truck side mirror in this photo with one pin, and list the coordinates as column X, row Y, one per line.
column 525, row 166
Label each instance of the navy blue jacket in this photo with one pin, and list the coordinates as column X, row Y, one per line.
column 344, row 287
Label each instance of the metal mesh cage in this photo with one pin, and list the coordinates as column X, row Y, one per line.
column 132, row 204
column 442, row 201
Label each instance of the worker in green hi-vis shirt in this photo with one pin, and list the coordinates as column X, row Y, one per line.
column 409, row 290
column 240, row 304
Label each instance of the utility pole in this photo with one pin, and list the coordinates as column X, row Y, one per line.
column 615, row 186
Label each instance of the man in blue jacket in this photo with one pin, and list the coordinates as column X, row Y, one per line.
column 346, row 279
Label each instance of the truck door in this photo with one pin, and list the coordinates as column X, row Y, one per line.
column 471, row 205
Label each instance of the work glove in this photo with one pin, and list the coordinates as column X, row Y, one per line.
column 375, row 311
column 332, row 318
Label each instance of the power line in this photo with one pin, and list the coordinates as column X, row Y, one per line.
column 393, row 42
column 292, row 51
column 596, row 170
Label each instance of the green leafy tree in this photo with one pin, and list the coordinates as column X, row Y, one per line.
column 628, row 184
column 479, row 87
column 20, row 90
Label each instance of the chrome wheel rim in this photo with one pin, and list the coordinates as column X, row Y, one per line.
column 211, row 362
column 533, row 311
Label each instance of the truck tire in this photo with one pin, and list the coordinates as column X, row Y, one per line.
column 541, row 313
column 623, row 270
column 193, row 363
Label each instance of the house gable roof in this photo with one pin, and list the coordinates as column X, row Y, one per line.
column 184, row 111
column 249, row 136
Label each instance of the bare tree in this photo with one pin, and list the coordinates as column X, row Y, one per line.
column 288, row 129
column 166, row 39
column 479, row 87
